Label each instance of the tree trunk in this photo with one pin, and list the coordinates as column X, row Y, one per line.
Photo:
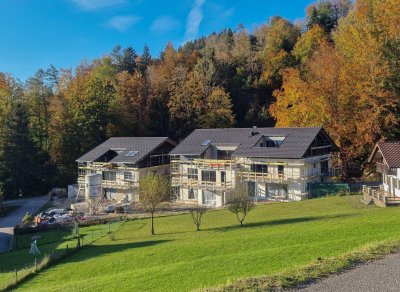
column 152, row 223
column 241, row 223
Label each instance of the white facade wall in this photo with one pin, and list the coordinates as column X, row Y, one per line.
column 112, row 189
column 391, row 183
column 299, row 171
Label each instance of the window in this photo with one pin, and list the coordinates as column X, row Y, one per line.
column 192, row 173
column 251, row 189
column 224, row 154
column 324, row 167
column 271, row 141
column 208, row 175
column 209, row 198
column 315, row 165
column 131, row 153
column 277, row 191
column 223, row 176
column 261, row 168
column 128, row 175
column 110, row 175
column 206, row 143
column 281, row 169
column 192, row 195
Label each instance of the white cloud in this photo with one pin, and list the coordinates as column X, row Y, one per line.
column 122, row 23
column 194, row 20
column 227, row 13
column 164, row 24
column 98, row 4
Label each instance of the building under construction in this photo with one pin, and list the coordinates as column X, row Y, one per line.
column 273, row 163
column 121, row 161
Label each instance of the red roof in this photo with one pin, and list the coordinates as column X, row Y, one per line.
column 391, row 153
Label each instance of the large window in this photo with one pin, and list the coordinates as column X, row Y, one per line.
column 208, row 175
column 223, row 176
column 277, row 191
column 192, row 173
column 110, row 175
column 224, row 154
column 209, row 198
column 261, row 168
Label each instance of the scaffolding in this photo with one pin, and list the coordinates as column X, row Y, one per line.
column 243, row 170
column 181, row 178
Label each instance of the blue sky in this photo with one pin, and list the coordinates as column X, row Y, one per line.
column 37, row 33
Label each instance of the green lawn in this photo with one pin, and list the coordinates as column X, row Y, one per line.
column 278, row 237
column 55, row 242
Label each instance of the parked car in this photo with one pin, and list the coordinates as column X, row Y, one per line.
column 109, row 209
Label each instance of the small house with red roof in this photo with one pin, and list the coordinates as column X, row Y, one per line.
column 386, row 156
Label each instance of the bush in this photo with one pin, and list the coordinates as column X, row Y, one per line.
column 28, row 218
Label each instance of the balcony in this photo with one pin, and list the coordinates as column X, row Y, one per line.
column 216, row 164
column 383, row 168
column 119, row 184
column 205, row 185
column 264, row 177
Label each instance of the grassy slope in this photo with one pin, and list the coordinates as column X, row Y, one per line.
column 278, row 237
column 52, row 241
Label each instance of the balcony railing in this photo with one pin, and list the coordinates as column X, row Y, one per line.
column 380, row 196
column 383, row 168
column 267, row 177
column 206, row 185
column 205, row 164
column 118, row 184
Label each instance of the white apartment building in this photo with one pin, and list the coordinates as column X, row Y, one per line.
column 275, row 163
column 123, row 160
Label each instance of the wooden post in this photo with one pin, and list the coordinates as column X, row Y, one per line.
column 16, row 276
column 35, row 264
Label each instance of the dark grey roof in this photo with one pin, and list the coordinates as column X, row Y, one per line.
column 144, row 146
column 295, row 144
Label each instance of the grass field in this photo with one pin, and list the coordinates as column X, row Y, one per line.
column 277, row 237
column 51, row 242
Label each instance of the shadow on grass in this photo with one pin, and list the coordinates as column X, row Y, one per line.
column 87, row 252
column 278, row 222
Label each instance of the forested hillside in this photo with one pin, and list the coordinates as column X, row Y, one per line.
column 338, row 69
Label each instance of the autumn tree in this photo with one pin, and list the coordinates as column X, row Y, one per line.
column 38, row 94
column 153, row 190
column 218, row 112
column 308, row 43
column 185, row 103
